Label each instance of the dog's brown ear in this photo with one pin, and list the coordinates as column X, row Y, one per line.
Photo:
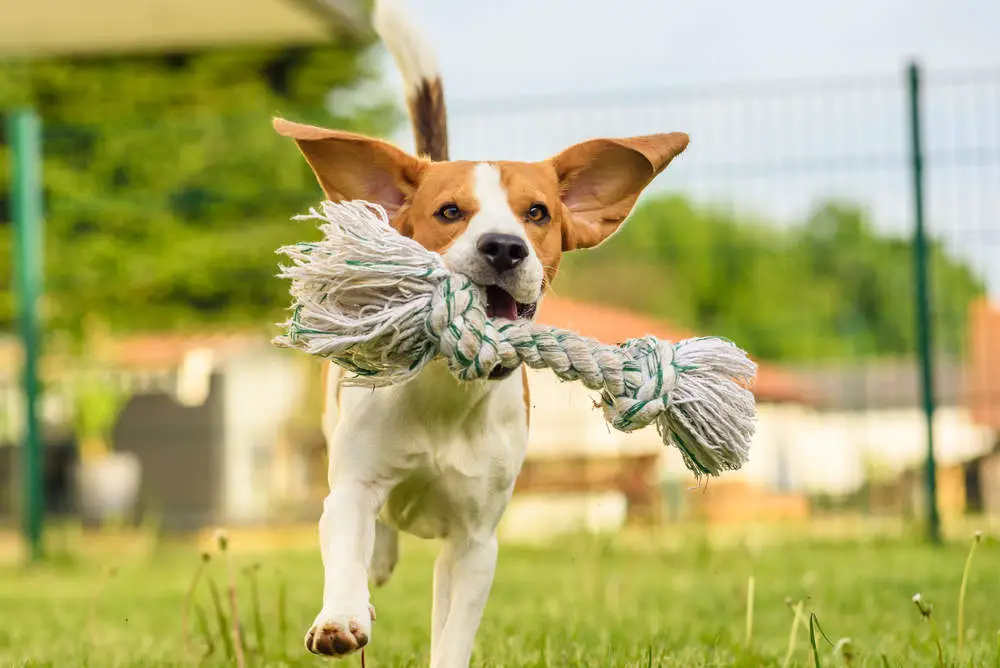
column 601, row 179
column 350, row 166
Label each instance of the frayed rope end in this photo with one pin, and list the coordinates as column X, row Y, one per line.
column 711, row 415
column 695, row 391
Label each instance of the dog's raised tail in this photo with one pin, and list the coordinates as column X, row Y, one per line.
column 418, row 65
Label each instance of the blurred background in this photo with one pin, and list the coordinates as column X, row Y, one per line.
column 836, row 214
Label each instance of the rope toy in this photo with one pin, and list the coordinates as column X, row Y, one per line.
column 382, row 306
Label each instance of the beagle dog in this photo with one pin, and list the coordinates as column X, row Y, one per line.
column 434, row 457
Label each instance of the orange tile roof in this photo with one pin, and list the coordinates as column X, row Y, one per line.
column 163, row 351
column 611, row 325
column 983, row 377
column 167, row 350
column 153, row 351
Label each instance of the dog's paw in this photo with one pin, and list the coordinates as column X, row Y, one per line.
column 339, row 635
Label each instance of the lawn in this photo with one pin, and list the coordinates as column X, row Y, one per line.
column 583, row 602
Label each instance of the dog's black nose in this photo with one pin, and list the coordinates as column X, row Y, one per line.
column 502, row 251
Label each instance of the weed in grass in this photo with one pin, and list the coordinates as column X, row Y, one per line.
column 792, row 635
column 814, row 627
column 258, row 620
column 189, row 598
column 238, row 642
column 961, row 595
column 282, row 612
column 203, row 628
column 221, row 619
column 647, row 629
column 812, row 641
column 845, row 650
column 926, row 611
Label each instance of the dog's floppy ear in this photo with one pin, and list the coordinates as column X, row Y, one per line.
column 350, row 166
column 601, row 179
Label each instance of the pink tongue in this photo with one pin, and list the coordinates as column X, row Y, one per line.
column 499, row 304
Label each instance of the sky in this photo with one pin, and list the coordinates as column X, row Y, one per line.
column 534, row 46
column 787, row 102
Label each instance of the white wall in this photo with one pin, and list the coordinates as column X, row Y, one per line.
column 565, row 421
column 795, row 447
column 261, row 387
column 885, row 442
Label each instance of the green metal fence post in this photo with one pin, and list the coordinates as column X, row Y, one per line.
column 24, row 134
column 922, row 296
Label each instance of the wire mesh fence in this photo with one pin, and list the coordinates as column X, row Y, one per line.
column 785, row 225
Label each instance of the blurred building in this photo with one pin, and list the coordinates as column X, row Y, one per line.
column 227, row 430
column 982, row 473
column 878, row 424
column 984, row 364
column 207, row 415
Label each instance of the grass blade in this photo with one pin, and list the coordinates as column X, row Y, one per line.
column 822, row 633
column 202, row 621
column 189, row 599
column 927, row 612
column 235, row 626
column 793, row 634
column 282, row 613
column 258, row 622
column 221, row 619
column 961, row 595
column 749, row 623
column 812, row 640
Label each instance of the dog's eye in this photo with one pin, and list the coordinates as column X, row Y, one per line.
column 448, row 213
column 538, row 213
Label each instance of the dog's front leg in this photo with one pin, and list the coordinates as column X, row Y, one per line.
column 465, row 567
column 442, row 594
column 347, row 537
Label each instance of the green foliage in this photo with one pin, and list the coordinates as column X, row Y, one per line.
column 167, row 194
column 98, row 398
column 97, row 404
column 166, row 190
column 832, row 287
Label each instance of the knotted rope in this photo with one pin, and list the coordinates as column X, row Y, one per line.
column 382, row 306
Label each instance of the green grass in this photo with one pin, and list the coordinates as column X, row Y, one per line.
column 585, row 602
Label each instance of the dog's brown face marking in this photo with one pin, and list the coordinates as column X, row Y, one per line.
column 528, row 185
column 525, row 185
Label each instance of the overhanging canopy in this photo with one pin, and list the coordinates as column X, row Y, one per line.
column 66, row 27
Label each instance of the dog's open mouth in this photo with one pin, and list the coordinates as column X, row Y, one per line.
column 499, row 304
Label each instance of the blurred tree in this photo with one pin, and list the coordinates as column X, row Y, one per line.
column 167, row 194
column 832, row 287
column 166, row 191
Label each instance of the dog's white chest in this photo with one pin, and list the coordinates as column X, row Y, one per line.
column 452, row 450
